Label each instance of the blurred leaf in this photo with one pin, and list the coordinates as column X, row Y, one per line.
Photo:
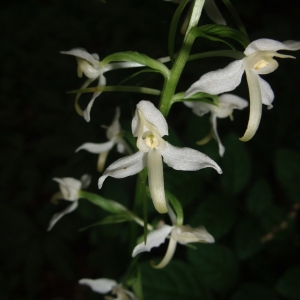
column 260, row 198
column 215, row 265
column 216, row 214
column 288, row 172
column 248, row 237
column 288, row 285
column 176, row 281
column 254, row 291
column 273, row 217
column 236, row 165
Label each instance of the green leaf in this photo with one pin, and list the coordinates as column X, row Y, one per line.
column 108, row 205
column 112, row 219
column 260, row 198
column 173, row 27
column 138, row 58
column 217, row 215
column 254, row 291
column 177, row 281
column 215, row 265
column 217, row 32
column 288, row 172
column 288, row 285
column 198, row 97
column 248, row 237
column 177, row 207
column 236, row 165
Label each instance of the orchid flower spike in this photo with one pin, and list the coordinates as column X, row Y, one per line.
column 91, row 67
column 227, row 103
column 211, row 10
column 258, row 60
column 104, row 286
column 113, row 135
column 182, row 234
column 149, row 126
column 69, row 190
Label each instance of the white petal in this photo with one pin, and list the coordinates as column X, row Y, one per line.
column 115, row 128
column 69, row 187
column 121, row 65
column 152, row 115
column 187, row 159
column 213, row 12
column 198, row 108
column 234, row 101
column 156, row 180
column 124, row 167
column 220, row 81
column 81, row 53
column 59, row 215
column 96, row 148
column 267, row 95
column 185, row 234
column 255, row 105
column 154, row 239
column 271, row 45
column 213, row 120
column 101, row 286
column 86, row 112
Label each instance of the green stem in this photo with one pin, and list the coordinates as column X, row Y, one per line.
column 171, row 82
column 134, row 89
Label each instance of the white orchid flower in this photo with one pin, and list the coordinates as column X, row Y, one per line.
column 227, row 103
column 91, row 67
column 149, row 126
column 182, row 234
column 258, row 60
column 211, row 10
column 113, row 135
column 104, row 286
column 69, row 190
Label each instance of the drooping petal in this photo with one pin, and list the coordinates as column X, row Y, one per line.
column 59, row 215
column 213, row 12
column 156, row 180
column 96, row 148
column 81, row 53
column 152, row 115
column 213, row 120
column 77, row 107
column 271, row 45
column 220, row 81
column 255, row 105
column 101, row 161
column 101, row 286
column 168, row 256
column 69, row 187
column 86, row 112
column 115, row 127
column 187, row 159
column 267, row 94
column 154, row 239
column 185, row 234
column 124, row 167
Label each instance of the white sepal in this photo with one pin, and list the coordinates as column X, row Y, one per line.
column 154, row 239
column 219, row 81
column 125, row 166
column 187, row 159
column 101, row 286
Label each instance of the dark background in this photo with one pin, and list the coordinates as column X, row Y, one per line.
column 40, row 131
